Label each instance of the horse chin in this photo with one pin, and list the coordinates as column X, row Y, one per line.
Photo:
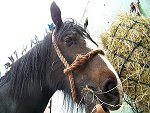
column 91, row 107
column 108, row 108
column 91, row 101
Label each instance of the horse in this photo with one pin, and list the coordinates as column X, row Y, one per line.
column 67, row 59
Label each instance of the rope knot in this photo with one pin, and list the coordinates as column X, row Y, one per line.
column 80, row 60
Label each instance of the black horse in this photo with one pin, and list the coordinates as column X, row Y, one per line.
column 37, row 75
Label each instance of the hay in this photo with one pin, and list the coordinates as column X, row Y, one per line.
column 127, row 45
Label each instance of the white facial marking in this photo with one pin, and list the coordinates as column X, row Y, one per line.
column 90, row 44
column 119, row 84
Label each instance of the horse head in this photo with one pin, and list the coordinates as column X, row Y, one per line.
column 95, row 80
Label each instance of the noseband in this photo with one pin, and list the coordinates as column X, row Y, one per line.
column 80, row 60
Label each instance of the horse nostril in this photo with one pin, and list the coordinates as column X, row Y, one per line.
column 109, row 85
column 110, row 88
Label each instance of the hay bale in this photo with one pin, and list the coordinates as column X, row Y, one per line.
column 127, row 45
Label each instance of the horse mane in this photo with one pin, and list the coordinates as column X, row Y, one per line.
column 29, row 69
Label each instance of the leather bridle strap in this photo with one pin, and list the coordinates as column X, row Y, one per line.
column 80, row 60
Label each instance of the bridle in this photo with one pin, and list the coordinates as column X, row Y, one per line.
column 80, row 60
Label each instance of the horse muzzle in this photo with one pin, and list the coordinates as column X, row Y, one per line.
column 110, row 96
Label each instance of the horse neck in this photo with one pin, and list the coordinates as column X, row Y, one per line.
column 27, row 78
column 35, row 77
column 33, row 101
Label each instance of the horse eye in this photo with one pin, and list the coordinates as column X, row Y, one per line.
column 68, row 41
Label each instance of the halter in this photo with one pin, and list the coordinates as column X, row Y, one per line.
column 80, row 60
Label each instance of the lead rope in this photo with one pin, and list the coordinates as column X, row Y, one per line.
column 80, row 60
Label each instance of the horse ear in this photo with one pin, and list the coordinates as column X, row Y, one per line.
column 56, row 15
column 86, row 23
